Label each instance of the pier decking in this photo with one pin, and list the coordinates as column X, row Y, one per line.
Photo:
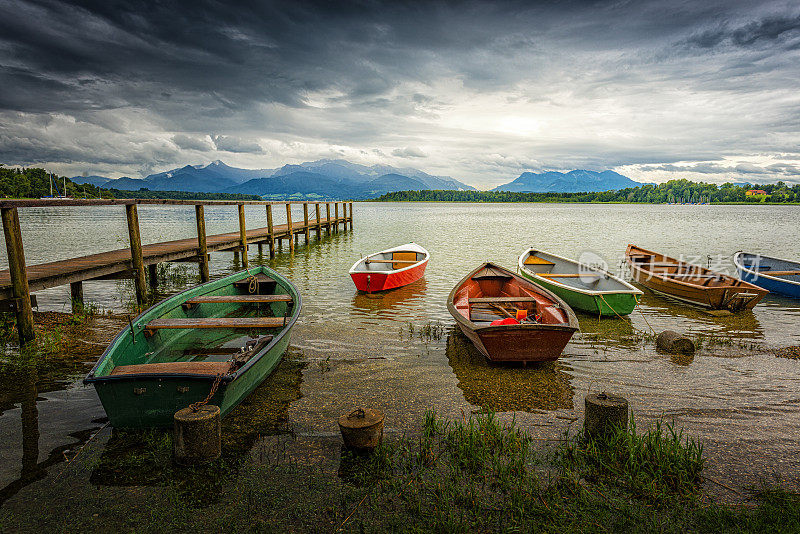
column 20, row 280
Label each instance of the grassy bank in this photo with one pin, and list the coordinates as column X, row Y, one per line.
column 452, row 476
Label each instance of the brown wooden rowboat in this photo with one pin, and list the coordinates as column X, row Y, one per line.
column 491, row 293
column 691, row 283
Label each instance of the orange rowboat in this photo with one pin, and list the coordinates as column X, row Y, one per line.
column 510, row 319
column 691, row 283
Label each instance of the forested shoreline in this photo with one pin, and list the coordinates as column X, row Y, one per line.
column 674, row 191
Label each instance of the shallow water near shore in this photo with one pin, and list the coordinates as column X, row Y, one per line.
column 399, row 351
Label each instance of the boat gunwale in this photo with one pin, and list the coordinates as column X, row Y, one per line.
column 588, row 292
column 399, row 248
column 572, row 320
column 227, row 378
column 759, row 274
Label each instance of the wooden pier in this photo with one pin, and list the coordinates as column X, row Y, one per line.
column 20, row 280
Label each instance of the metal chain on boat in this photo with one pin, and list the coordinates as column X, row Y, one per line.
column 199, row 404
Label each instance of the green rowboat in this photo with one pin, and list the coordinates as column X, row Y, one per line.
column 582, row 286
column 229, row 334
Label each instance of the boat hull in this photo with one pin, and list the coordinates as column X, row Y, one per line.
column 151, row 401
column 539, row 340
column 603, row 304
column 379, row 281
column 514, row 344
column 732, row 295
column 150, row 395
column 747, row 271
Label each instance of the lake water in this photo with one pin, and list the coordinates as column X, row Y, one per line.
column 399, row 351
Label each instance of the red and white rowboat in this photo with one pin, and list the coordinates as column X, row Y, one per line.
column 391, row 268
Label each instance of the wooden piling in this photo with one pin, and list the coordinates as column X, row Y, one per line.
column 136, row 253
column 344, row 215
column 243, row 236
column 76, row 296
column 319, row 222
column 328, row 218
column 271, row 232
column 335, row 217
column 289, row 224
column 260, row 249
column 305, row 218
column 351, row 216
column 202, row 249
column 152, row 275
column 19, row 275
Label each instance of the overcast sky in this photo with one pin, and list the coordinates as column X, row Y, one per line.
column 479, row 91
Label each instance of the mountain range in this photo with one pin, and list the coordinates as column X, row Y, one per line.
column 340, row 179
column 313, row 180
column 578, row 181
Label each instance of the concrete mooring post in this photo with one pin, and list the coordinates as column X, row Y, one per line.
column 19, row 275
column 270, row 231
column 202, row 248
column 604, row 412
column 197, row 435
column 137, row 259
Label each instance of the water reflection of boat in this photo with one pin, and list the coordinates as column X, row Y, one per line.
column 144, row 458
column 398, row 300
column 503, row 388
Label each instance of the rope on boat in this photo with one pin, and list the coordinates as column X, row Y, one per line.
column 252, row 286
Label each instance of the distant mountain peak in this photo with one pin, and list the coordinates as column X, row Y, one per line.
column 575, row 181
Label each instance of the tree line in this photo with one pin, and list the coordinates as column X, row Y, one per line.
column 35, row 183
column 673, row 191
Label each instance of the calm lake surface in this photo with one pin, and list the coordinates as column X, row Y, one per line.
column 399, row 351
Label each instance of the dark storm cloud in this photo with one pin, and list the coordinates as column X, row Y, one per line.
column 159, row 82
column 760, row 32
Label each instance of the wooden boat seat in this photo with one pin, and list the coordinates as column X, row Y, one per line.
column 170, row 368
column 215, row 322
column 691, row 275
column 389, row 261
column 224, row 299
column 535, row 260
column 478, row 300
column 783, row 273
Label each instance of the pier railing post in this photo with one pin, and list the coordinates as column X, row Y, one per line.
column 19, row 275
column 289, row 226
column 328, row 218
column 243, row 236
column 335, row 217
column 319, row 222
column 305, row 217
column 270, row 231
column 136, row 253
column 351, row 216
column 202, row 247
